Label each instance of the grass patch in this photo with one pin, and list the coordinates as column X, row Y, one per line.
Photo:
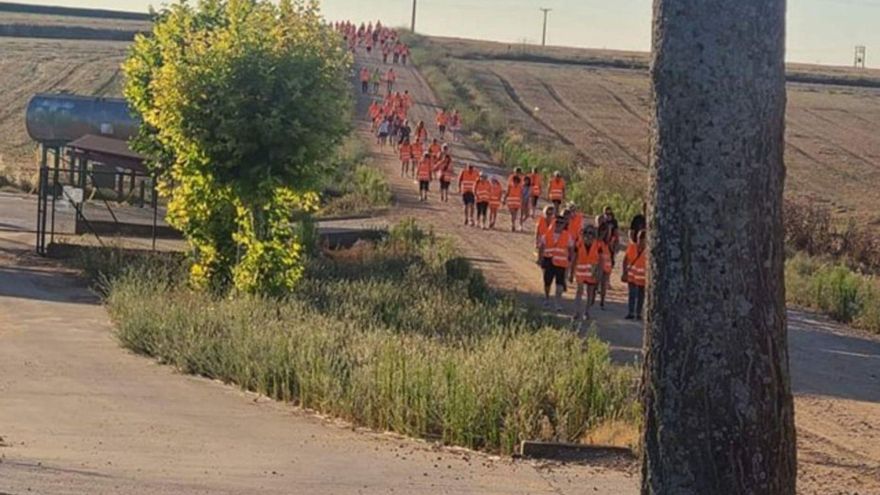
column 354, row 185
column 835, row 289
column 397, row 336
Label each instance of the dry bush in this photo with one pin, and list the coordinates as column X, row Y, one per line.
column 810, row 228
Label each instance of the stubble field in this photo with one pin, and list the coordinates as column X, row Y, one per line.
column 597, row 103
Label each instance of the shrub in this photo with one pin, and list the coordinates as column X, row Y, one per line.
column 834, row 289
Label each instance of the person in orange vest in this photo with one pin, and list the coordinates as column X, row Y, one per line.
column 435, row 148
column 483, row 192
column 496, row 192
column 421, row 132
column 455, row 125
column 517, row 172
column 513, row 199
column 390, row 79
column 607, row 263
column 365, row 80
column 467, row 182
column 544, row 223
column 635, row 275
column 406, row 156
column 576, row 221
column 417, row 150
column 442, row 121
column 425, row 174
column 537, row 187
column 556, row 189
column 555, row 252
column 445, row 172
column 589, row 256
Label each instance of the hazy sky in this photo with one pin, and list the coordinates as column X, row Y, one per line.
column 819, row 31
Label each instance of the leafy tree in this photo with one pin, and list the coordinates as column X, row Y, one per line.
column 242, row 101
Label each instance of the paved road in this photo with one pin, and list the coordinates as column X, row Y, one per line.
column 835, row 370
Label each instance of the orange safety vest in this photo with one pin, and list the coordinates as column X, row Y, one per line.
column 586, row 261
column 514, row 197
column 424, row 171
column 405, row 152
column 495, row 193
column 536, row 184
column 606, row 262
column 510, row 179
column 557, row 189
column 468, row 180
column 636, row 262
column 417, row 150
column 435, row 149
column 445, row 168
column 483, row 191
column 558, row 250
column 576, row 225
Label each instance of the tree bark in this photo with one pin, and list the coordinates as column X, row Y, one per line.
column 718, row 413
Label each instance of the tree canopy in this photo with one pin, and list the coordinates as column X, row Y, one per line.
column 242, row 101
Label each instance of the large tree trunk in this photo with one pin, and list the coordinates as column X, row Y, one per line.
column 717, row 397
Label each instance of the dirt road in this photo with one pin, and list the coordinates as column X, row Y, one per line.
column 835, row 370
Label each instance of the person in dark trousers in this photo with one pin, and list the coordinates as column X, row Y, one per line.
column 634, row 275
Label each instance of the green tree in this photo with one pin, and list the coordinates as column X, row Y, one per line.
column 242, row 101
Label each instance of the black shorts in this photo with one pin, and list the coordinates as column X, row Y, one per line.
column 553, row 272
column 469, row 198
column 444, row 185
column 424, row 185
column 535, row 201
column 442, row 129
column 482, row 208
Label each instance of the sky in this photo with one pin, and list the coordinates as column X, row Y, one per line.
column 818, row 31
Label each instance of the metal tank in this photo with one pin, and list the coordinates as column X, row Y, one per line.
column 58, row 119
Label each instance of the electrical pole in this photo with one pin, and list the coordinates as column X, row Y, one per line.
column 413, row 24
column 544, row 34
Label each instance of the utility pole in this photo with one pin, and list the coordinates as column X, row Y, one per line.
column 860, row 57
column 412, row 26
column 544, row 34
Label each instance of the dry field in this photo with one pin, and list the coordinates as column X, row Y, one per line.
column 33, row 65
column 598, row 103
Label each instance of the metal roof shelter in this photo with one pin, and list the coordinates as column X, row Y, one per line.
column 109, row 151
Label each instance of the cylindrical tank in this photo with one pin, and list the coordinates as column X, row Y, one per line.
column 61, row 118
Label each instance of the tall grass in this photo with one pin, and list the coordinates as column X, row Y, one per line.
column 353, row 184
column 398, row 336
column 835, row 289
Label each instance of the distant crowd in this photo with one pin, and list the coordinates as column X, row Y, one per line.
column 571, row 248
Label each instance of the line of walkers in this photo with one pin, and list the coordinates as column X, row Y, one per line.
column 570, row 248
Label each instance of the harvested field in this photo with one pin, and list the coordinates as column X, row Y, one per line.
column 598, row 104
column 33, row 65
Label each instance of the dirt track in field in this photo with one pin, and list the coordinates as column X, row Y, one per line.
column 835, row 371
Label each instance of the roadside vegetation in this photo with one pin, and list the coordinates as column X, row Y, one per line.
column 832, row 268
column 353, row 185
column 400, row 335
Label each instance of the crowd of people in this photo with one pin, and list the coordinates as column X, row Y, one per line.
column 572, row 249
